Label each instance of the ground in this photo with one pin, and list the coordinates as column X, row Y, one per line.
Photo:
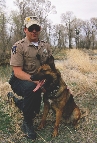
column 79, row 71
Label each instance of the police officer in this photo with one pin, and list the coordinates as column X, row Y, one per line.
column 26, row 57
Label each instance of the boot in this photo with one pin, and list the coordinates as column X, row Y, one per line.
column 18, row 102
column 10, row 95
column 28, row 129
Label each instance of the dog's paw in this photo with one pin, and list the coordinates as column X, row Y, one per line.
column 41, row 126
column 55, row 134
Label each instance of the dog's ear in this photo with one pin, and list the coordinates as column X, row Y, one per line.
column 50, row 62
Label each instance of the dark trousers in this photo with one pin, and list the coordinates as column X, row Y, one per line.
column 31, row 101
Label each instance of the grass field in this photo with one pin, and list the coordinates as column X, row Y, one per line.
column 79, row 71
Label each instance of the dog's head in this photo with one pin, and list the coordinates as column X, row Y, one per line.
column 45, row 72
column 50, row 62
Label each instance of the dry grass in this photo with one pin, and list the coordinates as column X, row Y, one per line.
column 79, row 71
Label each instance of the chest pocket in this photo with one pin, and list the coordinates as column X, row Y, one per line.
column 30, row 61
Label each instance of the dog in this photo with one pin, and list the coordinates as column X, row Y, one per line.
column 57, row 96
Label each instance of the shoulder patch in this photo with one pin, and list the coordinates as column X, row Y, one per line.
column 14, row 49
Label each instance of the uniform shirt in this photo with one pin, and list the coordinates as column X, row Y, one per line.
column 24, row 54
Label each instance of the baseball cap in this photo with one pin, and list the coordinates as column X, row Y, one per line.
column 30, row 20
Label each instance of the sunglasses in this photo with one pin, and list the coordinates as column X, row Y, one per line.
column 34, row 27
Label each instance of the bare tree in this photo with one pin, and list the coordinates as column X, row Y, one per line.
column 60, row 30
column 68, row 19
column 4, row 38
column 94, row 32
column 2, row 5
column 77, row 31
column 90, row 33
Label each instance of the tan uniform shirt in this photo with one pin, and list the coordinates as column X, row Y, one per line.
column 23, row 54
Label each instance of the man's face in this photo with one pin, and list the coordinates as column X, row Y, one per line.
column 32, row 32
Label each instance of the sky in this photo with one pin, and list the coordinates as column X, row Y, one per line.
column 83, row 9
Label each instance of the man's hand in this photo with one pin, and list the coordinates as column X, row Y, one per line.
column 36, row 82
column 39, row 85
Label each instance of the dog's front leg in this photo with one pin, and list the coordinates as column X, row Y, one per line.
column 45, row 113
column 58, row 118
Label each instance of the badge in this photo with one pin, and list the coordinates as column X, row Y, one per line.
column 14, row 49
column 45, row 51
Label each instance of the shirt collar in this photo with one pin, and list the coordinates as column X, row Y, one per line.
column 28, row 42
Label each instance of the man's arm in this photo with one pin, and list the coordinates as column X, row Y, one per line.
column 19, row 73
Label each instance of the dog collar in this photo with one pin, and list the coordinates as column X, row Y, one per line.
column 53, row 94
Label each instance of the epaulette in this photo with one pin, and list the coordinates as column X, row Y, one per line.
column 20, row 41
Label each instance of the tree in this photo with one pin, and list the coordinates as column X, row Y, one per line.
column 94, row 32
column 68, row 19
column 5, row 38
column 90, row 33
column 2, row 5
column 77, row 31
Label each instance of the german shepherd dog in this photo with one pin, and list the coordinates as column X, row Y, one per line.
column 61, row 100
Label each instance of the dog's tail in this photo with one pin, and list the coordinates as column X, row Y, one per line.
column 84, row 112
